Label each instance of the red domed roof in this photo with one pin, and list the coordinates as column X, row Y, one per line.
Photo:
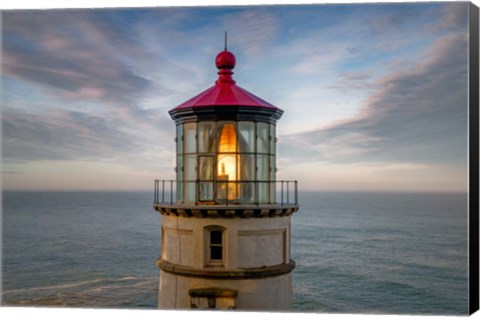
column 225, row 92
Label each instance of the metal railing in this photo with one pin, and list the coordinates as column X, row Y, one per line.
column 284, row 192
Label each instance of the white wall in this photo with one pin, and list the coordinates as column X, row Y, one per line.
column 267, row 294
column 248, row 243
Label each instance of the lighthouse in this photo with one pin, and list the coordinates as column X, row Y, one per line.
column 225, row 219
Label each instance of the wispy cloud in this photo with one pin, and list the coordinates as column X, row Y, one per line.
column 417, row 115
column 61, row 135
column 89, row 58
column 252, row 30
column 77, row 60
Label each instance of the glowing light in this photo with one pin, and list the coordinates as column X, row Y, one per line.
column 227, row 164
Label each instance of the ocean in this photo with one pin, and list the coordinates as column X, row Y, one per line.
column 385, row 253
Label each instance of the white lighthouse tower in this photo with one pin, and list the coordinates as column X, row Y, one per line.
column 225, row 219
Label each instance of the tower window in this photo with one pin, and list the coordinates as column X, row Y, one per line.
column 216, row 244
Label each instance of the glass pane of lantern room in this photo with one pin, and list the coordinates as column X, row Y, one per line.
column 263, row 172
column 190, row 167
column 179, row 138
column 227, row 165
column 205, row 191
column 247, row 193
column 179, row 168
column 272, row 168
column 226, row 137
column 179, row 192
column 206, row 137
column 246, row 137
column 272, row 139
column 246, row 170
column 272, row 178
column 205, row 172
column 189, row 137
column 262, row 137
column 247, row 173
column 190, row 192
column 263, row 192
column 189, row 170
column 179, row 178
column 205, row 175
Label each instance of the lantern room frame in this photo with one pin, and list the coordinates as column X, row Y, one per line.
column 226, row 147
column 199, row 157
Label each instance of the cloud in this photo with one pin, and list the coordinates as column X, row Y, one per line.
column 64, row 135
column 252, row 30
column 370, row 31
column 61, row 135
column 73, row 53
column 419, row 115
column 354, row 80
column 78, row 57
column 454, row 16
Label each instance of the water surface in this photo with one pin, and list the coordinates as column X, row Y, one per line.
column 388, row 253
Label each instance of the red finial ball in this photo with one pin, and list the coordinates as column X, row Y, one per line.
column 225, row 59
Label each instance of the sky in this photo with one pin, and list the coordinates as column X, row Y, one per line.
column 374, row 95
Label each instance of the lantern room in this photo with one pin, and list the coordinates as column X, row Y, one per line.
column 225, row 144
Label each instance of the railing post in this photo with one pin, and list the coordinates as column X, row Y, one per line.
column 270, row 200
column 288, row 192
column 155, row 191
column 281, row 195
column 296, row 193
column 163, row 190
column 171, row 192
column 197, row 191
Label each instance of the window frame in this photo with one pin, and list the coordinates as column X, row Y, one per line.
column 261, row 180
column 209, row 261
